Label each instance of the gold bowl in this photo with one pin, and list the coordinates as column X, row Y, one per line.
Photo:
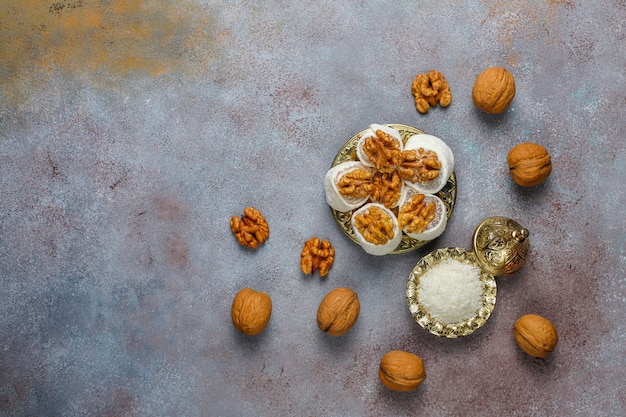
column 450, row 330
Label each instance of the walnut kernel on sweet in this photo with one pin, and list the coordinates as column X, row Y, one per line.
column 386, row 188
column 317, row 255
column 355, row 184
column 419, row 165
column 251, row 230
column 383, row 151
column 430, row 89
column 375, row 226
column 417, row 214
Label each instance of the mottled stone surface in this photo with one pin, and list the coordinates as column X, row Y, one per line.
column 131, row 131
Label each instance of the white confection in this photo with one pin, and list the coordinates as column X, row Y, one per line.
column 371, row 248
column 444, row 154
column 333, row 196
column 451, row 291
column 370, row 132
column 439, row 223
column 434, row 140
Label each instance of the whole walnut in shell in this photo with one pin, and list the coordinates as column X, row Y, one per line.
column 529, row 164
column 493, row 90
column 251, row 311
column 535, row 335
column 401, row 371
column 338, row 311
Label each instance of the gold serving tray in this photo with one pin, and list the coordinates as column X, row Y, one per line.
column 348, row 153
column 450, row 330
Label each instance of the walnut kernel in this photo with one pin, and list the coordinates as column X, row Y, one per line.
column 429, row 90
column 355, row 184
column 386, row 188
column 383, row 151
column 375, row 226
column 316, row 255
column 416, row 214
column 251, row 230
column 419, row 165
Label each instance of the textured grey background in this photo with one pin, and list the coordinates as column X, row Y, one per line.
column 130, row 133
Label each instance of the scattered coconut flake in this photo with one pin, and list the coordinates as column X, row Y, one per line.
column 451, row 291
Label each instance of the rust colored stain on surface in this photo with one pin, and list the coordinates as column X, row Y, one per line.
column 133, row 131
column 523, row 21
column 113, row 38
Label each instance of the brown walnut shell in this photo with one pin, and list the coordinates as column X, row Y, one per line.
column 338, row 311
column 494, row 89
column 401, row 371
column 251, row 311
column 535, row 335
column 529, row 164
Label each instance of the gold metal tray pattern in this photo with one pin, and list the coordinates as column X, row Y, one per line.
column 348, row 153
column 438, row 328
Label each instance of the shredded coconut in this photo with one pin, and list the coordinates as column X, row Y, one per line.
column 451, row 291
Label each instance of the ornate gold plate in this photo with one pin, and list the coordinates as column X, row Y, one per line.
column 450, row 330
column 348, row 153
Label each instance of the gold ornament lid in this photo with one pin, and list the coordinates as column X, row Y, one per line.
column 501, row 245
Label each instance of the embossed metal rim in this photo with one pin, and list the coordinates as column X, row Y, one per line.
column 348, row 153
column 436, row 327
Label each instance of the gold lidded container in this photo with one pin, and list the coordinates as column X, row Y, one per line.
column 499, row 248
column 501, row 245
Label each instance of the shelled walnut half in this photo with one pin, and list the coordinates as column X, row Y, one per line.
column 430, row 89
column 317, row 255
column 251, row 230
column 356, row 184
